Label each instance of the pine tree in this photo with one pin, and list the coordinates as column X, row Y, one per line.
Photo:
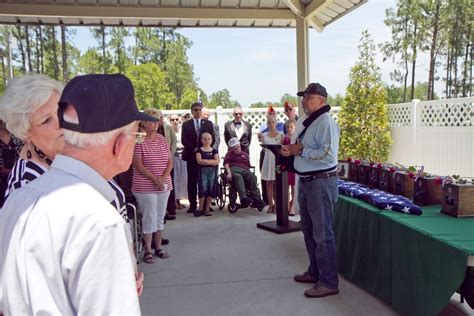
column 363, row 120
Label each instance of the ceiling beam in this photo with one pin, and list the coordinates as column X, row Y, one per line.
column 296, row 7
column 316, row 24
column 119, row 12
column 316, row 6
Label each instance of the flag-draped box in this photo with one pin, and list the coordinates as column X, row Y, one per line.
column 427, row 191
column 458, row 199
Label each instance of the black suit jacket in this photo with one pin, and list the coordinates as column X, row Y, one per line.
column 191, row 141
column 229, row 132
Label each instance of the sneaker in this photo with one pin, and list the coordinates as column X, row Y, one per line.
column 304, row 278
column 319, row 290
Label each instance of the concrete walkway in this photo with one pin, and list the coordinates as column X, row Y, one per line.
column 224, row 265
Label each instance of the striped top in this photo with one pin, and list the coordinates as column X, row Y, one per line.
column 154, row 155
column 25, row 171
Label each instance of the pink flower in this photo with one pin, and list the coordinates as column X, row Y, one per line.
column 286, row 141
column 349, row 159
column 411, row 175
column 438, row 180
column 357, row 162
column 392, row 170
column 379, row 166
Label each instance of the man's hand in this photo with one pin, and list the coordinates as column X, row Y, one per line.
column 139, row 282
column 289, row 150
column 229, row 176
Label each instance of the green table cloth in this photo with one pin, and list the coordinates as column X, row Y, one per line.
column 414, row 263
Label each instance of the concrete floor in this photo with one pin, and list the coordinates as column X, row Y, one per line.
column 224, row 265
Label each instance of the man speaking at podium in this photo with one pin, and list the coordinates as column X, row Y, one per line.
column 315, row 161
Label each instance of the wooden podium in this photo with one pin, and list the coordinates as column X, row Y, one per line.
column 282, row 225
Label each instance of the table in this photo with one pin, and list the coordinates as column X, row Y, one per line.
column 414, row 263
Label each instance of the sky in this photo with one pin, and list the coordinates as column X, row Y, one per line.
column 259, row 65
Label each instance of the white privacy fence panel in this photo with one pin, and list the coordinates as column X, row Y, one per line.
column 436, row 134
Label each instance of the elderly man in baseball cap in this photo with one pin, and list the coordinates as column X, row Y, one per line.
column 67, row 245
column 237, row 165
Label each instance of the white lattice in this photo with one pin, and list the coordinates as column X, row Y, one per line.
column 448, row 113
column 400, row 114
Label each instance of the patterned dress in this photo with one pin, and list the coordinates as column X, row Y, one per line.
column 207, row 175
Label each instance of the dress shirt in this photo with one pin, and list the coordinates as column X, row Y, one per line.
column 239, row 129
column 64, row 248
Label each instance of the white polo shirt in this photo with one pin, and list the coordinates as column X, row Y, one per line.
column 63, row 246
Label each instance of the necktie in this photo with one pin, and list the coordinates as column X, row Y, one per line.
column 197, row 128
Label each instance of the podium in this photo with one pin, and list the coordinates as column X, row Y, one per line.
column 282, row 225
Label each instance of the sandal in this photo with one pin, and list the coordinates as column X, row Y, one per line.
column 160, row 253
column 148, row 258
column 271, row 209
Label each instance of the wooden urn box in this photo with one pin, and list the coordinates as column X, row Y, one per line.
column 374, row 174
column 385, row 180
column 363, row 174
column 352, row 171
column 427, row 192
column 403, row 184
column 458, row 199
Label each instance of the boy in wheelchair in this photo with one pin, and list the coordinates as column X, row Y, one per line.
column 238, row 173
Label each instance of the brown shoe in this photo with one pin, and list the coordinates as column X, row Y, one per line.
column 304, row 278
column 319, row 290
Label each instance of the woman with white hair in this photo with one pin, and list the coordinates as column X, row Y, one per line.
column 29, row 109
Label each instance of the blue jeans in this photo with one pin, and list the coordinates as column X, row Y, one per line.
column 317, row 199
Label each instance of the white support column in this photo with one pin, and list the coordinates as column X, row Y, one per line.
column 302, row 55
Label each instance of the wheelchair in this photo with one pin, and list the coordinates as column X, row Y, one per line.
column 225, row 191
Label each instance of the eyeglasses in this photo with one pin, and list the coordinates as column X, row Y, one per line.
column 174, row 120
column 139, row 136
column 288, row 110
column 238, row 114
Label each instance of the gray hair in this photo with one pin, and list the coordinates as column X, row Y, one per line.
column 83, row 140
column 23, row 96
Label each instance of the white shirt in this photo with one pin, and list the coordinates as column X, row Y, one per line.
column 63, row 246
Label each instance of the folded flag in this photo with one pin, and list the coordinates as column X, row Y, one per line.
column 380, row 199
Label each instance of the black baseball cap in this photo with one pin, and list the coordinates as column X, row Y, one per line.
column 103, row 103
column 314, row 88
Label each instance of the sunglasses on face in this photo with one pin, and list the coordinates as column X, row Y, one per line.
column 238, row 114
column 174, row 120
column 288, row 110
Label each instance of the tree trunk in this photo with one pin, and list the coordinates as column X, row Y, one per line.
column 55, row 54
column 37, row 48
column 21, row 47
column 28, row 48
column 413, row 62
column 434, row 39
column 3, row 71
column 448, row 73
column 41, row 48
column 466, row 64
column 104, row 56
column 64, row 53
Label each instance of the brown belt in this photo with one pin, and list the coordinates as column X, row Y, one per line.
column 326, row 175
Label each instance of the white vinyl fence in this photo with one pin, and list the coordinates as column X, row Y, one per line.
column 436, row 134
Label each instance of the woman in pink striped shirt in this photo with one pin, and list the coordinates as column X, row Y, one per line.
column 152, row 164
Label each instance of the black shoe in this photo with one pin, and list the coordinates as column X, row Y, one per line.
column 257, row 202
column 191, row 209
column 170, row 217
column 245, row 202
column 198, row 213
column 165, row 241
